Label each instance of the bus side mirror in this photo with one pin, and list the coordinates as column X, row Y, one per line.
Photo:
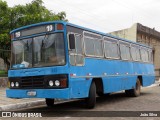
column 71, row 41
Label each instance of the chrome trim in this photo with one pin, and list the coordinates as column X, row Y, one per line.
column 112, row 75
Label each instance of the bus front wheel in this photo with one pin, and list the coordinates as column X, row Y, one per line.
column 49, row 102
column 91, row 100
column 136, row 91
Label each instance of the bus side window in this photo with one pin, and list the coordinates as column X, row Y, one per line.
column 150, row 56
column 89, row 46
column 125, row 52
column 111, row 49
column 144, row 55
column 76, row 54
column 93, row 44
column 71, row 41
column 135, row 53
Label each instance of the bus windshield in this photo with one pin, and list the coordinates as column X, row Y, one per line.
column 46, row 50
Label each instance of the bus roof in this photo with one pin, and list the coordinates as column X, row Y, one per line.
column 80, row 27
column 108, row 35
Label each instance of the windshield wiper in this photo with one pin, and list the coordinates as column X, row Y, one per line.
column 27, row 46
column 43, row 47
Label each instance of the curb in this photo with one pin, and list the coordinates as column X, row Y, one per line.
column 30, row 104
column 22, row 105
column 42, row 102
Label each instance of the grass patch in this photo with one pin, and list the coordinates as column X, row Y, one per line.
column 3, row 73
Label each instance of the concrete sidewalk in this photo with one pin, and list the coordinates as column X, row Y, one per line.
column 8, row 104
column 14, row 104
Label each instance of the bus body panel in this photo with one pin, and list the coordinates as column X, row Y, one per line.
column 38, row 71
column 116, row 75
column 148, row 80
column 40, row 93
column 79, row 87
column 120, row 75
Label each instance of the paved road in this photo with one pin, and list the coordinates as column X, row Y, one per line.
column 148, row 101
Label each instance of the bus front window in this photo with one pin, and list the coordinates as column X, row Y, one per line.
column 49, row 50
column 46, row 50
column 22, row 53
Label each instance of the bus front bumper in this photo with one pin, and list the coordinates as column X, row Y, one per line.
column 38, row 93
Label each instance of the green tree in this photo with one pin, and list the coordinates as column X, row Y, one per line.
column 33, row 12
column 21, row 15
column 4, row 32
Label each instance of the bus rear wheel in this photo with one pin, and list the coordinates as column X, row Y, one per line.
column 136, row 91
column 49, row 102
column 100, row 94
column 91, row 100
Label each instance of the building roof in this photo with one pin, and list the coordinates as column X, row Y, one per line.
column 146, row 30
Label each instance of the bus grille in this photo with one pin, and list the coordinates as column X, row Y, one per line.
column 37, row 82
column 32, row 82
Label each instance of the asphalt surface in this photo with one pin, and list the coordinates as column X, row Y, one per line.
column 114, row 106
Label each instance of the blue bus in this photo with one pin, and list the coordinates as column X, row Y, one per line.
column 60, row 60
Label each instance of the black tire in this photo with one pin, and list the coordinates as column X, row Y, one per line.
column 136, row 91
column 91, row 100
column 49, row 102
column 128, row 93
column 100, row 94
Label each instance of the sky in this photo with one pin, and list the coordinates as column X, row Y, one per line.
column 105, row 15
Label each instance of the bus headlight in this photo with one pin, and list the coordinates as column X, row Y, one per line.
column 12, row 84
column 17, row 84
column 57, row 83
column 51, row 83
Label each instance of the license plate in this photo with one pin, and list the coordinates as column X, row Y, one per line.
column 31, row 93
